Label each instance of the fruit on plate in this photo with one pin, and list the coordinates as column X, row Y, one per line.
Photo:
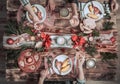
column 66, row 68
column 94, row 9
column 58, row 64
column 93, row 16
column 39, row 15
column 37, row 12
column 34, row 9
column 65, row 63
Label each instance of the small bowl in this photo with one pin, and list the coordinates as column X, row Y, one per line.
column 60, row 40
column 64, row 12
column 90, row 63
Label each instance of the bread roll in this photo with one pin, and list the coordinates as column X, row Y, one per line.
column 93, row 16
column 66, row 68
column 65, row 63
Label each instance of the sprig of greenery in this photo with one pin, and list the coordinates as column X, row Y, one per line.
column 108, row 25
column 91, row 49
column 95, row 32
column 108, row 56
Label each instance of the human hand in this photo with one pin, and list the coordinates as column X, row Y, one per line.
column 51, row 5
column 35, row 19
column 43, row 74
column 81, row 61
column 114, row 5
column 74, row 21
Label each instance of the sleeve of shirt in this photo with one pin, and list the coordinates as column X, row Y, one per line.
column 80, row 81
column 24, row 2
column 72, row 1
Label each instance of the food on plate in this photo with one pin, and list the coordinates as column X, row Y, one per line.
column 28, row 53
column 34, row 9
column 36, row 57
column 62, row 66
column 74, row 21
column 29, row 60
column 90, row 23
column 65, row 63
column 94, row 9
column 37, row 12
column 66, row 68
column 39, row 15
column 85, row 29
column 93, row 16
column 32, row 67
column 58, row 64
column 21, row 63
column 90, row 7
column 87, row 26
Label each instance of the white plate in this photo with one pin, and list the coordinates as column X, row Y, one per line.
column 42, row 10
column 96, row 4
column 61, row 58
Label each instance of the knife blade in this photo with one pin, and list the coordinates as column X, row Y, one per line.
column 75, row 62
column 81, row 11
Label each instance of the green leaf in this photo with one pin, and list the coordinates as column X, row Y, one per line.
column 108, row 56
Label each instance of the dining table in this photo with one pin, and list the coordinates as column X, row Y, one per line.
column 46, row 45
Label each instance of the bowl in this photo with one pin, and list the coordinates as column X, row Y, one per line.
column 90, row 63
column 64, row 12
column 60, row 40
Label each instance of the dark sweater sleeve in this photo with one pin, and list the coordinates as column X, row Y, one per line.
column 24, row 2
column 72, row 1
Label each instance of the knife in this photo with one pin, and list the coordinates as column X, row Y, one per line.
column 81, row 11
column 92, row 6
column 75, row 62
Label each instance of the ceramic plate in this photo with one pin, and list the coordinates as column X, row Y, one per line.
column 62, row 58
column 41, row 9
column 96, row 4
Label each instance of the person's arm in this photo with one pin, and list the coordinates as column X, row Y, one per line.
column 74, row 6
column 28, row 7
column 43, row 75
column 41, row 81
column 114, row 5
column 81, row 77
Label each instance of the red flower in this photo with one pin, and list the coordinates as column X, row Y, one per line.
column 74, row 37
column 82, row 41
column 47, row 40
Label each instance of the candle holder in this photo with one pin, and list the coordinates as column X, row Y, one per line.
column 91, row 63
